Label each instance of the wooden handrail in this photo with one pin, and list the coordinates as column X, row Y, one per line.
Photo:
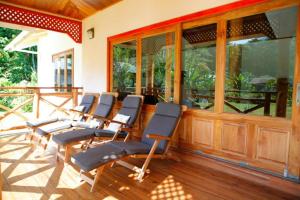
column 36, row 95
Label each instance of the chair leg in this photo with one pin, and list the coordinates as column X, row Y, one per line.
column 68, row 151
column 57, row 152
column 97, row 177
column 147, row 161
column 47, row 140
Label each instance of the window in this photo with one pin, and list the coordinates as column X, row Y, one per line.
column 124, row 68
column 260, row 63
column 63, row 69
column 158, row 68
column 199, row 66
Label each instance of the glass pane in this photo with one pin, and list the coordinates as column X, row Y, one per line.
column 69, row 70
column 56, row 78
column 260, row 63
column 158, row 68
column 124, row 68
column 199, row 66
column 62, row 71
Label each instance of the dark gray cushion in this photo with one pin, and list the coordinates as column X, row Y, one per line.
column 131, row 107
column 163, row 122
column 41, row 122
column 105, row 105
column 73, row 136
column 97, row 156
column 87, row 101
column 168, row 109
column 132, row 102
column 54, row 127
column 108, row 133
column 133, row 147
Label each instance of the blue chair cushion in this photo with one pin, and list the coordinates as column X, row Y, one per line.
column 134, row 147
column 53, row 127
column 73, row 136
column 97, row 156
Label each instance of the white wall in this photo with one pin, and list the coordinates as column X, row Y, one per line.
column 122, row 17
column 51, row 44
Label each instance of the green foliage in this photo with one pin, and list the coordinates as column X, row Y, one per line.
column 199, row 70
column 124, row 68
column 16, row 68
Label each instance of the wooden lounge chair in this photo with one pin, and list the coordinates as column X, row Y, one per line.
column 131, row 107
column 44, row 127
column 154, row 144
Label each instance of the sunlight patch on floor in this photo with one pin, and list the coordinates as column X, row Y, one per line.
column 169, row 189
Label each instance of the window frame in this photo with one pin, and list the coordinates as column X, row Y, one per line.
column 221, row 20
column 64, row 54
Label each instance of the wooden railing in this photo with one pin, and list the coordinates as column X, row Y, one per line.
column 13, row 99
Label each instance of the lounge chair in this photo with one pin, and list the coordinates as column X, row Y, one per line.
column 44, row 127
column 131, row 107
column 155, row 143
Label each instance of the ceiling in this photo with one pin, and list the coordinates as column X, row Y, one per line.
column 78, row 9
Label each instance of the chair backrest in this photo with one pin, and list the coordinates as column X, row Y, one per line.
column 163, row 122
column 87, row 102
column 131, row 106
column 105, row 105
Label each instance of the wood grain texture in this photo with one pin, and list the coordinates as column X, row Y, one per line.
column 202, row 132
column 234, row 138
column 28, row 177
column 78, row 9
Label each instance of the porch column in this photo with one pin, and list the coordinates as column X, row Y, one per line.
column 168, row 69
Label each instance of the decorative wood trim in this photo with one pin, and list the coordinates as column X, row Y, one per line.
column 21, row 16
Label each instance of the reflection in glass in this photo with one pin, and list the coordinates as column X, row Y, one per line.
column 124, row 68
column 260, row 63
column 158, row 68
column 199, row 66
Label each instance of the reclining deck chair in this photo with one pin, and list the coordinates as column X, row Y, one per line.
column 44, row 127
column 131, row 109
column 154, row 144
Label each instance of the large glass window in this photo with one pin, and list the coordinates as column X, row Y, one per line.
column 260, row 63
column 158, row 68
column 198, row 66
column 63, row 69
column 124, row 68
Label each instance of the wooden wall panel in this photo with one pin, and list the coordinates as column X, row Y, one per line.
column 272, row 145
column 202, row 132
column 234, row 138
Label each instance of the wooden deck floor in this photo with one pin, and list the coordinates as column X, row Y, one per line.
column 28, row 177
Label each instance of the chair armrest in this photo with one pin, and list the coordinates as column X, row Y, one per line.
column 77, row 111
column 88, row 115
column 129, row 129
column 158, row 137
column 99, row 117
column 117, row 122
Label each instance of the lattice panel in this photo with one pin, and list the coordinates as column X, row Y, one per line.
column 35, row 19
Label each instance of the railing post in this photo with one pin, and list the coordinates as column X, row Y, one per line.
column 75, row 96
column 36, row 103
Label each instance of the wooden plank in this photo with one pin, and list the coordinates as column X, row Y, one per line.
column 138, row 89
column 294, row 149
column 178, row 64
column 26, row 177
column 220, row 66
